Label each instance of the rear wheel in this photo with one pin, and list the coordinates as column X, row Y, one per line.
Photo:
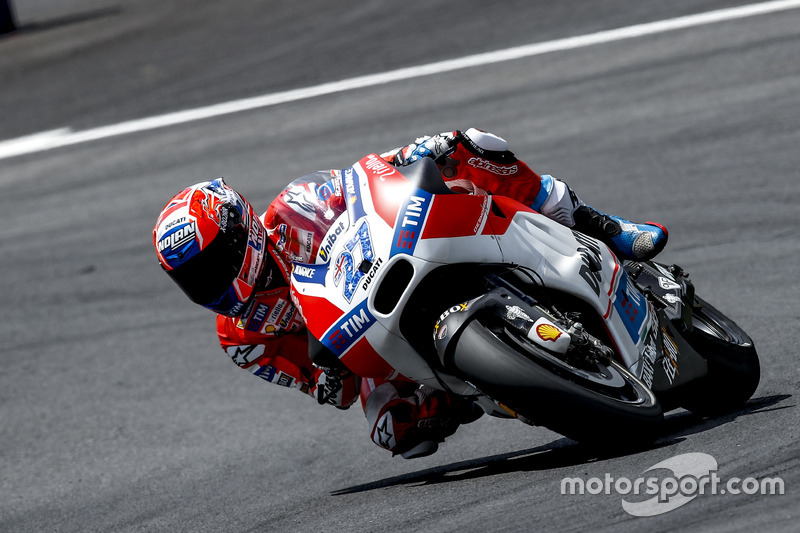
column 733, row 368
column 585, row 399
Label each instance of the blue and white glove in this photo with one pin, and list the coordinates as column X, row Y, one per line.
column 433, row 147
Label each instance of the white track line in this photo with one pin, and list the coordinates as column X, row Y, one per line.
column 66, row 136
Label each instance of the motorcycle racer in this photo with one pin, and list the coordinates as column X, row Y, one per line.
column 211, row 243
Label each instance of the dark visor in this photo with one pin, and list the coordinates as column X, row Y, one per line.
column 208, row 275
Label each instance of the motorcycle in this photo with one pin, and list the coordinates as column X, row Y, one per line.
column 486, row 299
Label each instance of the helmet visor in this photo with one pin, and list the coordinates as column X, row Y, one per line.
column 207, row 277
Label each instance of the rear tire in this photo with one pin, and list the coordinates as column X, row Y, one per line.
column 599, row 404
column 733, row 368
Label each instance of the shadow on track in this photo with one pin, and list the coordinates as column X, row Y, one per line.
column 686, row 423
column 562, row 452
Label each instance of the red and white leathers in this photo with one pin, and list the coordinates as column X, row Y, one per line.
column 269, row 338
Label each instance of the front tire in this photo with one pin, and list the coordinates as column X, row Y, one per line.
column 597, row 403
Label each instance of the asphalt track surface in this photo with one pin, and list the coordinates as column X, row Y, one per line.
column 119, row 412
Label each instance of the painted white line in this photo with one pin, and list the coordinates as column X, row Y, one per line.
column 65, row 136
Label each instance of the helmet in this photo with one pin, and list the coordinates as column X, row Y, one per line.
column 211, row 243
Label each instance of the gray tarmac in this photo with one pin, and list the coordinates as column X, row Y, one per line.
column 120, row 413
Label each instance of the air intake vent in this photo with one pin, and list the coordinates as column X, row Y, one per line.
column 393, row 285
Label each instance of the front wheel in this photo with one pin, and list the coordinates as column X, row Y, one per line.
column 588, row 400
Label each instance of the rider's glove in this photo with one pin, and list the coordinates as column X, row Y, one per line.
column 337, row 388
column 433, row 147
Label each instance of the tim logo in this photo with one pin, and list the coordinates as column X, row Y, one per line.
column 349, row 329
column 410, row 221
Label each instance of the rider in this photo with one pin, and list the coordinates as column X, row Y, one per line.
column 213, row 245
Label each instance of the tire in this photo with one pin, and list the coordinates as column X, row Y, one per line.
column 733, row 368
column 605, row 405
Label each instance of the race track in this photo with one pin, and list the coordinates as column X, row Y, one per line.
column 120, row 413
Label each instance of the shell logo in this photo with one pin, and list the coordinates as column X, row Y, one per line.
column 548, row 332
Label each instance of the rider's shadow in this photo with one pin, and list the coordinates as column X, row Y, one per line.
column 562, row 452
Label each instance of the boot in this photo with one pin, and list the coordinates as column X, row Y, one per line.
column 638, row 242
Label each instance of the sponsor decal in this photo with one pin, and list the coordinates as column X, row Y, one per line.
column 549, row 336
column 310, row 273
column 332, row 187
column 243, row 355
column 236, row 309
column 494, row 168
column 306, row 239
column 255, row 243
column 348, row 266
column 266, row 372
column 352, row 195
column 271, row 374
column 591, row 261
column 170, row 225
column 299, row 199
column 484, row 213
column 647, row 360
column 410, row 221
column 631, row 306
column 224, row 215
column 287, row 318
column 179, row 237
column 384, row 432
column 368, row 276
column 246, row 314
column 455, row 309
column 255, row 237
column 548, row 332
column 330, row 240
column 281, row 237
column 670, row 361
column 284, row 380
column 515, row 311
column 379, row 167
column 257, row 319
column 348, row 329
column 667, row 284
column 277, row 311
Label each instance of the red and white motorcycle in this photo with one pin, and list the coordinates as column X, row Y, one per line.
column 489, row 300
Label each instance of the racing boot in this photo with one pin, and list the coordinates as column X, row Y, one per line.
column 412, row 421
column 638, row 242
column 450, row 413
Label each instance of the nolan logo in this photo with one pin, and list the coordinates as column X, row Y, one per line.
column 179, row 237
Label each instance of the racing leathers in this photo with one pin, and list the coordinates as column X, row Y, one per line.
column 269, row 338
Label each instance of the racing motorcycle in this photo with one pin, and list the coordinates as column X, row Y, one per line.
column 486, row 299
